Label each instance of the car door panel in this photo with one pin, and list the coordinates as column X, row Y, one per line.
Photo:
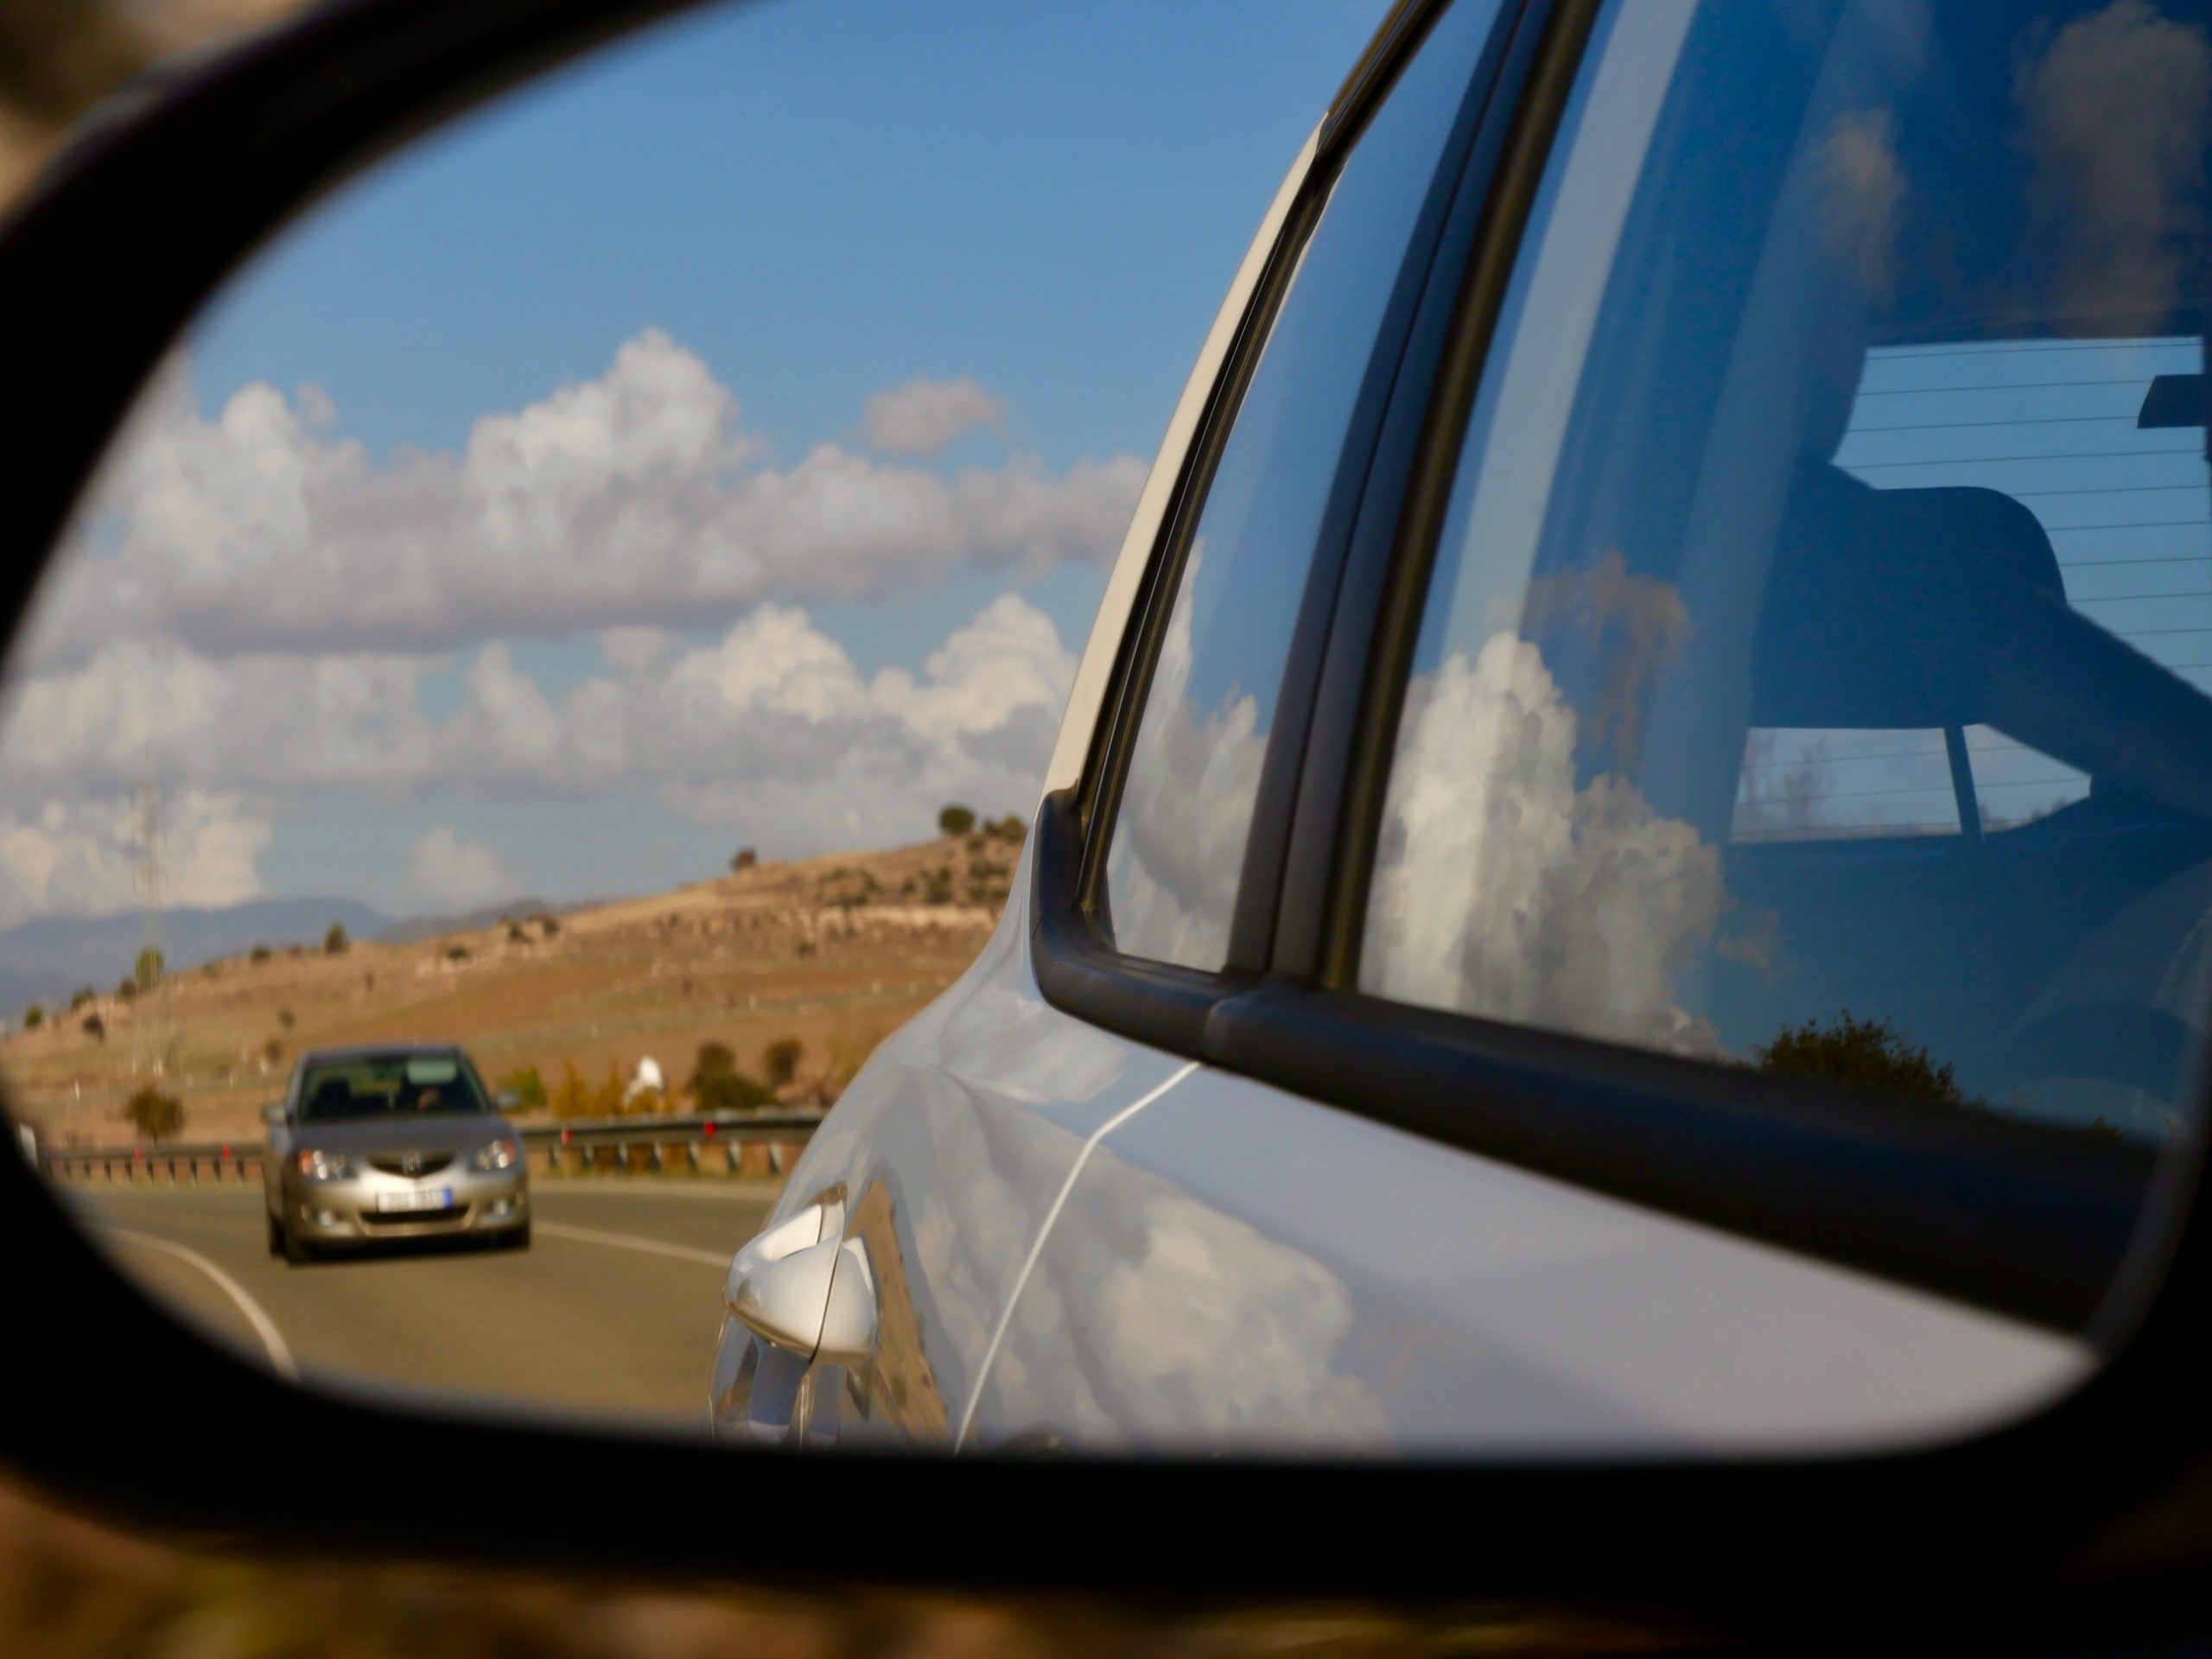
column 1239, row 1268
column 944, row 1157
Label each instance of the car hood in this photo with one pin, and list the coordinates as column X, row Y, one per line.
column 455, row 1133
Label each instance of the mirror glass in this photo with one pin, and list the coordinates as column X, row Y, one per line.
column 561, row 664
column 518, row 793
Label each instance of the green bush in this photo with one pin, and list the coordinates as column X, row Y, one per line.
column 34, row 1017
column 148, row 969
column 83, row 994
column 956, row 820
column 334, row 942
column 260, row 953
column 718, row 1086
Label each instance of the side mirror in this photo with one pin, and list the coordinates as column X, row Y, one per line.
column 273, row 1116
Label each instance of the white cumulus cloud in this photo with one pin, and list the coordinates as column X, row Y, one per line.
column 925, row 417
column 446, row 873
column 634, row 500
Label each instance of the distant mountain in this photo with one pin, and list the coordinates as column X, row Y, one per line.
column 429, row 927
column 48, row 958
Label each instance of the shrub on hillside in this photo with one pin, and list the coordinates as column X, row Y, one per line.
column 153, row 1114
column 81, row 996
column 515, row 935
column 127, row 989
column 272, row 1051
column 779, row 1060
column 456, row 953
column 334, row 942
column 34, row 1017
column 956, row 820
column 96, row 1027
column 147, row 968
column 718, row 1086
column 260, row 953
column 573, row 1097
column 549, row 925
column 744, row 859
column 286, row 1018
column 527, row 1086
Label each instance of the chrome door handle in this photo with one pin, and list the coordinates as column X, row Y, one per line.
column 800, row 1289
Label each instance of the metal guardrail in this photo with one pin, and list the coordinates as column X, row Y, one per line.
column 741, row 1143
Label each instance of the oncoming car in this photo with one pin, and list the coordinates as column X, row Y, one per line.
column 398, row 1142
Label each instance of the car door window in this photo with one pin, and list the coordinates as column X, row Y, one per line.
column 1814, row 664
column 1178, row 843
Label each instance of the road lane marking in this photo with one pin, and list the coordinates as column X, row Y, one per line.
column 628, row 1242
column 1036, row 1245
column 265, row 1327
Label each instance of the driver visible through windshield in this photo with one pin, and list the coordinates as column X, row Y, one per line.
column 388, row 1085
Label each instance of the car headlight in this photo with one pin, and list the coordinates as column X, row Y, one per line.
column 499, row 1155
column 326, row 1166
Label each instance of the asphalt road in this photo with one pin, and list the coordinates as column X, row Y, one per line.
column 611, row 1312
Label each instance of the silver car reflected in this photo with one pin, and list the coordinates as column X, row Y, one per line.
column 396, row 1142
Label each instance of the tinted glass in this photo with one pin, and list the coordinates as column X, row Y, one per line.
column 1814, row 673
column 1186, row 811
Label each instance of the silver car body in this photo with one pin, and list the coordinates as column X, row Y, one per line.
column 400, row 1162
column 1075, row 1239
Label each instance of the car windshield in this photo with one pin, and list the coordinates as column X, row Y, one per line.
column 390, row 1085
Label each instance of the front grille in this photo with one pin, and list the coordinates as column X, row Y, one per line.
column 413, row 1217
column 398, row 1163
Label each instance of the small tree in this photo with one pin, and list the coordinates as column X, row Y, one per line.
column 1864, row 1054
column 779, row 1060
column 573, row 1097
column 96, row 1027
column 261, row 953
column 1008, row 827
column 127, row 989
column 456, row 953
column 147, row 968
column 153, row 1114
column 334, row 942
column 515, row 935
column 34, row 1017
column 607, row 1099
column 718, row 1086
column 744, row 859
column 549, row 925
column 956, row 820
column 81, row 996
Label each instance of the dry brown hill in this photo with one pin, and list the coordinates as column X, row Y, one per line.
column 835, row 952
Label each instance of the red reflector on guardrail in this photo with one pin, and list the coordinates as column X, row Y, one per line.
column 707, row 1130
column 567, row 1135
column 226, row 1154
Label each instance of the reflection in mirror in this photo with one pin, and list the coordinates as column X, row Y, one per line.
column 559, row 669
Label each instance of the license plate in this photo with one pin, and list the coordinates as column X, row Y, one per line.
column 427, row 1198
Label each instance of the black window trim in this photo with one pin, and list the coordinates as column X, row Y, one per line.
column 2034, row 1225
column 1076, row 964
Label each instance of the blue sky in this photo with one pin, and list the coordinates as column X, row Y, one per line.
column 821, row 198
column 602, row 356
